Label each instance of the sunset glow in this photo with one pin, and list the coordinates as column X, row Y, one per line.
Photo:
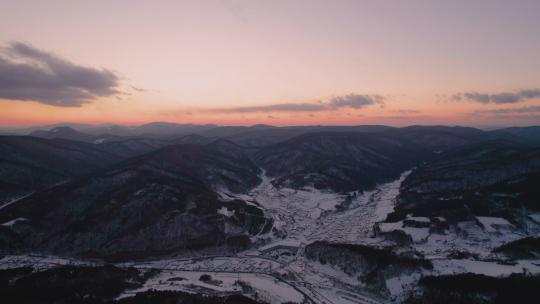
column 272, row 62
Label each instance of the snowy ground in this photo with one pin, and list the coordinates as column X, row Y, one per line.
column 14, row 200
column 305, row 216
column 355, row 224
column 41, row 262
column 257, row 286
column 454, row 266
column 321, row 284
column 277, row 271
column 301, row 217
column 477, row 237
column 309, row 214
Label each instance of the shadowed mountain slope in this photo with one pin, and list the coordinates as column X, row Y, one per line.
column 489, row 178
column 339, row 161
column 29, row 163
column 158, row 203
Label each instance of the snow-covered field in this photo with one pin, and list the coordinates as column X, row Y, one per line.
column 478, row 238
column 454, row 266
column 355, row 224
column 322, row 284
column 310, row 214
column 257, row 286
column 305, row 216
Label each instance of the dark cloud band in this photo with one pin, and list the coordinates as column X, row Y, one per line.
column 529, row 109
column 30, row 74
column 354, row 101
column 498, row 98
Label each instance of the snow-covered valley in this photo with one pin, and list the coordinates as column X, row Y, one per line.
column 277, row 269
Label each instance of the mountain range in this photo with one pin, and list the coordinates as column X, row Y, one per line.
column 166, row 190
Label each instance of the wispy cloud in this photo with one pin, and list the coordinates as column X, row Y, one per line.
column 137, row 89
column 497, row 98
column 280, row 107
column 401, row 117
column 529, row 109
column 30, row 74
column 353, row 101
column 528, row 118
column 405, row 111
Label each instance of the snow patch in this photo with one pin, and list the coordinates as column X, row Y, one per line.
column 260, row 286
column 224, row 211
column 492, row 224
column 535, row 217
column 454, row 266
column 399, row 285
column 14, row 221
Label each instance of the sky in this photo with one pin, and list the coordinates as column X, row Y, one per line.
column 236, row 62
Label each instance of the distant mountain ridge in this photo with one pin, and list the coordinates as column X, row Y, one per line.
column 140, row 196
column 260, row 135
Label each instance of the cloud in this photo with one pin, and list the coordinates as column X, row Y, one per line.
column 137, row 89
column 353, row 101
column 529, row 109
column 498, row 98
column 406, row 111
column 280, row 107
column 30, row 74
column 530, row 93
column 528, row 118
column 402, row 116
column 528, row 114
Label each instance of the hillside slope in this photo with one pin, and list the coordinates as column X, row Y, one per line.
column 158, row 203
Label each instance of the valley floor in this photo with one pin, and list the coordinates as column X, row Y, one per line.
column 277, row 269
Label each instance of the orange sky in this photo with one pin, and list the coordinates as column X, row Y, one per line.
column 197, row 60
